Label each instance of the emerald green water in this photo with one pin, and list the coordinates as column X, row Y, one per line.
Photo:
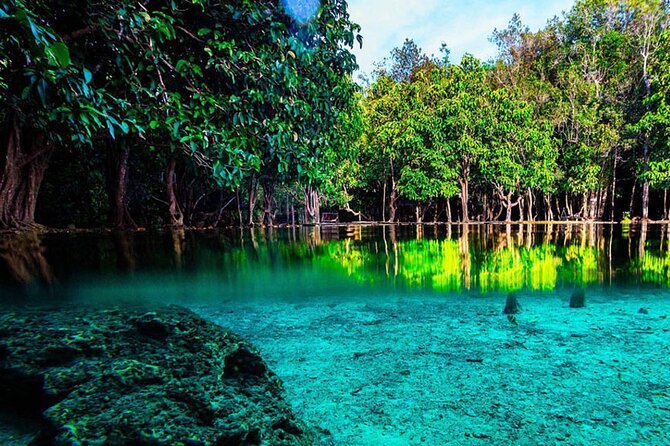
column 351, row 262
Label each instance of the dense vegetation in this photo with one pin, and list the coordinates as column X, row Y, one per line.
column 569, row 122
column 136, row 113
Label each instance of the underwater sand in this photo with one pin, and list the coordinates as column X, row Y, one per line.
column 453, row 371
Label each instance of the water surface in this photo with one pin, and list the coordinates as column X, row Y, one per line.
column 347, row 261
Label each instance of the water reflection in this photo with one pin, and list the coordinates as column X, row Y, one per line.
column 318, row 261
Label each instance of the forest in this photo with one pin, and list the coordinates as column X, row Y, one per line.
column 143, row 114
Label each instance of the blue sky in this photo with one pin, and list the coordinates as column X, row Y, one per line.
column 465, row 26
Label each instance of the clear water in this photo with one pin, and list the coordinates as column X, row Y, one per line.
column 348, row 262
column 393, row 335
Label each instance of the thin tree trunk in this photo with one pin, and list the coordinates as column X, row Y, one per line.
column 464, row 199
column 122, row 218
column 613, row 192
column 508, row 208
column 645, row 194
column 531, row 201
column 253, row 191
column 268, row 199
column 393, row 198
column 632, row 199
column 312, row 205
column 174, row 211
column 449, row 211
column 384, row 203
column 239, row 207
column 602, row 200
column 548, row 211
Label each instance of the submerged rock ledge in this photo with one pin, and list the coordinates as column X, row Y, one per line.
column 139, row 377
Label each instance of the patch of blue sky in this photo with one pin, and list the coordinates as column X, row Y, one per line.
column 464, row 25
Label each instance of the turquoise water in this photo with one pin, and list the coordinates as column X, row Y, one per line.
column 394, row 335
column 350, row 262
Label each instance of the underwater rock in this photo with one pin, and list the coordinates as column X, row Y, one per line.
column 132, row 376
column 578, row 298
column 512, row 304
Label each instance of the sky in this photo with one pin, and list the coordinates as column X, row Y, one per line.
column 464, row 25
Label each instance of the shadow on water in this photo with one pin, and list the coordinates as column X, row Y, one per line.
column 349, row 261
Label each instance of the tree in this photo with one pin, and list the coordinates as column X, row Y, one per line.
column 240, row 88
column 649, row 19
column 463, row 112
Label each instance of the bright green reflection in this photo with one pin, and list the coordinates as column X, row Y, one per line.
column 481, row 258
column 356, row 260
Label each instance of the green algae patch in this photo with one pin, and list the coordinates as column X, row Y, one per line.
column 132, row 376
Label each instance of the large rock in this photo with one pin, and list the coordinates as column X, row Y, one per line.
column 138, row 377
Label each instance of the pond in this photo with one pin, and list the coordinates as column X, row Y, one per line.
column 394, row 335
column 346, row 262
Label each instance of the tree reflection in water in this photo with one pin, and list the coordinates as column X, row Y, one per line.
column 320, row 260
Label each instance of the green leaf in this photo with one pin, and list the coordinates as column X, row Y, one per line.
column 87, row 76
column 61, row 53
column 179, row 66
column 110, row 126
column 42, row 91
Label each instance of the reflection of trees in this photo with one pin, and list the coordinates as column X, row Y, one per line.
column 464, row 251
column 24, row 255
column 178, row 241
column 652, row 266
column 509, row 257
column 124, row 242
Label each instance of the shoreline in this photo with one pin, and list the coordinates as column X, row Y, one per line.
column 167, row 229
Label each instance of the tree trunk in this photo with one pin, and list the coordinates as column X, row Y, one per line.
column 508, row 208
column 23, row 172
column 645, row 194
column 384, row 203
column 393, row 202
column 174, row 211
column 602, row 200
column 122, row 219
column 548, row 211
column 613, row 193
column 253, row 190
column 239, row 207
column 268, row 199
column 464, row 199
column 449, row 211
column 312, row 205
column 531, row 201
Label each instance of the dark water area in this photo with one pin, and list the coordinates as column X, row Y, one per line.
column 348, row 262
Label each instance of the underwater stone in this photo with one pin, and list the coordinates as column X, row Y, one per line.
column 578, row 298
column 512, row 304
column 132, row 377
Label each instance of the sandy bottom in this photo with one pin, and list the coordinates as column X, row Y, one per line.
column 452, row 371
